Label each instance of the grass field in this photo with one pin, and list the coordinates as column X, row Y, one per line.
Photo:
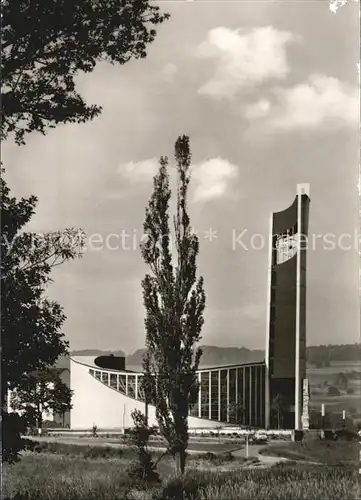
column 321, row 378
column 69, row 472
column 322, row 452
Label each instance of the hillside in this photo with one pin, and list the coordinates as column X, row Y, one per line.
column 217, row 356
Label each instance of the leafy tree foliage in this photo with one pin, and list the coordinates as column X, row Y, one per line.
column 174, row 300
column 31, row 324
column 31, row 334
column 41, row 392
column 45, row 45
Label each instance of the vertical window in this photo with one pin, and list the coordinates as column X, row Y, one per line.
column 205, row 394
column 131, row 386
column 241, row 395
column 232, row 395
column 141, row 394
column 261, row 396
column 253, row 395
column 122, row 384
column 246, row 395
column 113, row 380
column 223, row 395
column 214, row 395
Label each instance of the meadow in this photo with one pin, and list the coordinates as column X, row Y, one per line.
column 349, row 399
column 327, row 453
column 70, row 472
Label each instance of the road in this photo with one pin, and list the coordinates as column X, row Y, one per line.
column 196, row 446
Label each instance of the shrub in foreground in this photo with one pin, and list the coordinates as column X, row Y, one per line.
column 12, row 426
column 144, row 469
column 186, row 488
column 75, row 450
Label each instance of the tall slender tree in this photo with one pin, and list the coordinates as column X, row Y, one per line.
column 174, row 300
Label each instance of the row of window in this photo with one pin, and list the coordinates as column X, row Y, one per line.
column 128, row 384
column 233, row 395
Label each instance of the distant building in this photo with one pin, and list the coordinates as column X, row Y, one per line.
column 105, row 392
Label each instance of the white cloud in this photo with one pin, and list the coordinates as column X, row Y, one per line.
column 139, row 171
column 258, row 110
column 244, row 57
column 212, row 179
column 334, row 5
column 321, row 100
column 168, row 72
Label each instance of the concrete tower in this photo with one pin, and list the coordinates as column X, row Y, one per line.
column 286, row 309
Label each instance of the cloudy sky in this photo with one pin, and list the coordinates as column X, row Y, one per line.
column 268, row 93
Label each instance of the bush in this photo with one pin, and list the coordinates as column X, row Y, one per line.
column 346, row 435
column 329, row 435
column 217, row 459
column 298, row 435
column 102, row 452
column 12, row 426
column 185, row 488
column 74, row 450
column 350, row 390
column 145, row 468
column 333, row 391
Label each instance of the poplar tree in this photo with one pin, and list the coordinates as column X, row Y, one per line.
column 174, row 301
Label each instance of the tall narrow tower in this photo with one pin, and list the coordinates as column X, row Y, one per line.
column 286, row 307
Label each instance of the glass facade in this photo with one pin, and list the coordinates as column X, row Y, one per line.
column 233, row 395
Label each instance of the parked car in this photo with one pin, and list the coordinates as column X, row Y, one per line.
column 259, row 438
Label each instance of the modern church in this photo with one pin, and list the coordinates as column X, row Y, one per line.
column 105, row 392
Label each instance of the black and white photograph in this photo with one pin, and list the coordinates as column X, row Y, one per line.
column 180, row 250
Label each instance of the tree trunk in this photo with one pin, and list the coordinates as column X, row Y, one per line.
column 40, row 420
column 146, row 412
column 4, row 397
column 180, row 459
